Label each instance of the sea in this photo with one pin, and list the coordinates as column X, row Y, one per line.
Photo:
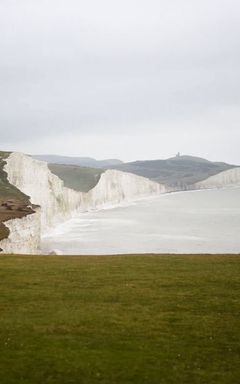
column 205, row 221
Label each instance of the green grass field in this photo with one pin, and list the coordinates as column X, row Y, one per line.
column 121, row 319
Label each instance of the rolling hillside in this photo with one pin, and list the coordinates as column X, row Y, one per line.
column 81, row 161
column 179, row 172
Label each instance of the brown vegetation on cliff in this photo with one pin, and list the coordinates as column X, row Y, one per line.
column 13, row 203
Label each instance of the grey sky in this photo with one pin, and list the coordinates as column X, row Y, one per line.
column 128, row 79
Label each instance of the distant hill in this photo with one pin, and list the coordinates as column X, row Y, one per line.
column 178, row 172
column 81, row 161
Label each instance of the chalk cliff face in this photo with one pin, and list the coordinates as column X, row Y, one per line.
column 224, row 179
column 34, row 179
column 116, row 186
column 24, row 235
column 58, row 203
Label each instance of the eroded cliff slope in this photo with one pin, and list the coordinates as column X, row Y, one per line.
column 223, row 179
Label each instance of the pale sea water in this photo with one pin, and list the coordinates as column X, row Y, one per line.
column 205, row 221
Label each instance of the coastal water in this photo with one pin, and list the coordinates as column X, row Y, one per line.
column 205, row 221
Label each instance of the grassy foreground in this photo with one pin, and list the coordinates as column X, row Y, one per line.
column 123, row 319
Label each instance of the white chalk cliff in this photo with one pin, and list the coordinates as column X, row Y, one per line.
column 34, row 179
column 58, row 203
column 25, row 235
column 116, row 186
column 227, row 178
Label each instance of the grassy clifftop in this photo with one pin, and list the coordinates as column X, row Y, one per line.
column 75, row 177
column 7, row 190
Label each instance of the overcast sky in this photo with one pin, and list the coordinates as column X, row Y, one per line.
column 129, row 79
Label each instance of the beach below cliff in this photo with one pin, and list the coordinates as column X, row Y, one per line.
column 205, row 221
